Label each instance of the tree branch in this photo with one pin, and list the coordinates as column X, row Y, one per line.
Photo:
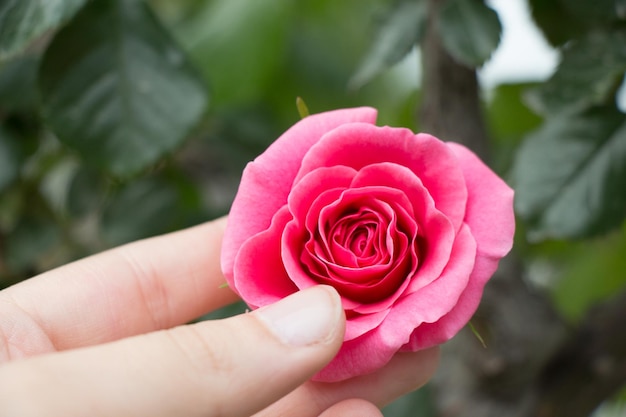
column 589, row 367
column 450, row 107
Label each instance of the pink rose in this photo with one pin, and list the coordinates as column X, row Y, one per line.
column 407, row 228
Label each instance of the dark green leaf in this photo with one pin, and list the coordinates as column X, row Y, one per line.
column 229, row 311
column 469, row 30
column 620, row 9
column 10, row 159
column 564, row 20
column 86, row 192
column 148, row 207
column 143, row 208
column 18, row 87
column 21, row 21
column 589, row 74
column 398, row 34
column 117, row 88
column 570, row 175
column 554, row 20
column 33, row 237
column 596, row 11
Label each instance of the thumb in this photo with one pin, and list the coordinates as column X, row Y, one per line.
column 232, row 367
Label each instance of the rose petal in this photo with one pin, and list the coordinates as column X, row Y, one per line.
column 431, row 334
column 358, row 240
column 435, row 226
column 266, row 182
column 374, row 349
column 291, row 249
column 358, row 145
column 368, row 283
column 309, row 188
column 308, row 197
column 361, row 324
column 358, row 356
column 438, row 298
column 489, row 205
column 259, row 276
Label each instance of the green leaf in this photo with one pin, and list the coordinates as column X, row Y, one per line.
column 85, row 192
column 143, row 208
column 230, row 310
column 596, row 11
column 303, row 109
column 21, row 21
column 148, row 207
column 10, row 159
column 620, row 9
column 401, row 30
column 116, row 88
column 18, row 84
column 477, row 335
column 469, row 30
column 34, row 236
column 589, row 74
column 556, row 23
column 570, row 175
column 564, row 20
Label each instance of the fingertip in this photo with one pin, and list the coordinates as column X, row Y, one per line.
column 354, row 407
column 311, row 316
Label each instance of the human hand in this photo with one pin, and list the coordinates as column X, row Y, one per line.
column 104, row 336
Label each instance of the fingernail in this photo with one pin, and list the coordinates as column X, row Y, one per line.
column 304, row 318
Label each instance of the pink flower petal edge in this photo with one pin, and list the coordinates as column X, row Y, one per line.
column 266, row 182
column 489, row 208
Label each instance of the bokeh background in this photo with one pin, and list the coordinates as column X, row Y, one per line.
column 123, row 119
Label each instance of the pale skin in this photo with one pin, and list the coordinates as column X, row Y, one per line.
column 106, row 337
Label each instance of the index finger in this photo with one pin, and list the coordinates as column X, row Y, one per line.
column 148, row 285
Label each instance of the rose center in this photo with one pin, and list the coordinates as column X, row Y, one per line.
column 364, row 244
column 360, row 241
column 357, row 234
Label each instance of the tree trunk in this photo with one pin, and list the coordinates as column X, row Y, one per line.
column 450, row 107
column 589, row 367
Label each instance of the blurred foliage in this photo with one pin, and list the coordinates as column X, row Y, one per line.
column 23, row 21
column 570, row 174
column 601, row 262
column 470, row 31
column 117, row 89
column 401, row 29
column 122, row 119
